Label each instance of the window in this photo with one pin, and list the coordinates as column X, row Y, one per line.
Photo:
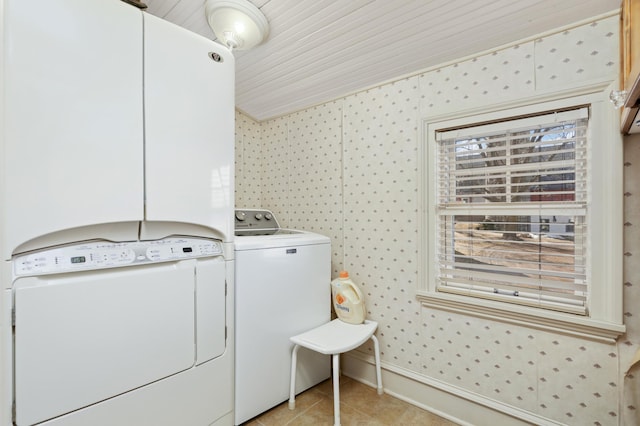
column 511, row 211
column 520, row 220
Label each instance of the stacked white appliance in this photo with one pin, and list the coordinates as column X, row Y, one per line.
column 116, row 218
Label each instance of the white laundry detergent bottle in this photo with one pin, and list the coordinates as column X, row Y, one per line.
column 348, row 301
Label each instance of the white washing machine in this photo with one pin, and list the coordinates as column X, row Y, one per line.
column 283, row 288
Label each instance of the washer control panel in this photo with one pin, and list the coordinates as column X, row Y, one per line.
column 255, row 219
column 106, row 254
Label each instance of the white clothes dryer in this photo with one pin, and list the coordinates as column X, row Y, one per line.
column 126, row 333
column 283, row 288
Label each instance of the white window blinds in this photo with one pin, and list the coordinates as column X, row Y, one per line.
column 511, row 211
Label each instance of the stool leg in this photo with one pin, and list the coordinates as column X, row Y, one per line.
column 376, row 351
column 336, row 389
column 292, row 388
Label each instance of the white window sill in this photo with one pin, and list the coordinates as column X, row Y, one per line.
column 557, row 322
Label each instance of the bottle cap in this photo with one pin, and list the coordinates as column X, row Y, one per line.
column 344, row 274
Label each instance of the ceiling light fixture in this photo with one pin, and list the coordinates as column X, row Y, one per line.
column 237, row 23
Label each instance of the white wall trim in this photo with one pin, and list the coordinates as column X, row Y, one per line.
column 450, row 402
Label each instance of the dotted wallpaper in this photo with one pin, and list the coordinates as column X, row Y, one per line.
column 248, row 159
column 502, row 75
column 348, row 169
column 381, row 210
column 274, row 169
column 630, row 344
column 315, row 174
column 577, row 55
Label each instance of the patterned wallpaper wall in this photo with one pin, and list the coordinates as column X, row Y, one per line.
column 248, row 160
column 348, row 169
column 629, row 345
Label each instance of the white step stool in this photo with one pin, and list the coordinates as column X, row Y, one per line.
column 334, row 338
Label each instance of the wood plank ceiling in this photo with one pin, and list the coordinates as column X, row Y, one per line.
column 320, row 50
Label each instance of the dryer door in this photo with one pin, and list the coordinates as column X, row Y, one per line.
column 83, row 337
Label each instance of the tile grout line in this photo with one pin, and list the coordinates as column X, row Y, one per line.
column 302, row 413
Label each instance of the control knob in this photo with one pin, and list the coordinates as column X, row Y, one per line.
column 268, row 216
column 241, row 215
column 258, row 216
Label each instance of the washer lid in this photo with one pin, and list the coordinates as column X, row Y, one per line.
column 254, row 232
column 285, row 238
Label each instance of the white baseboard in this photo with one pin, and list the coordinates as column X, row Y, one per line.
column 450, row 402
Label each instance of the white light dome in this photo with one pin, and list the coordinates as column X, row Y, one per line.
column 237, row 23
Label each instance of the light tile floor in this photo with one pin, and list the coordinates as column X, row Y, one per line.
column 359, row 405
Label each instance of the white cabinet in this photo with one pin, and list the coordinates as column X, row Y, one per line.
column 72, row 110
column 189, row 127
column 106, row 127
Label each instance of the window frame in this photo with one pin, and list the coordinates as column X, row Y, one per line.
column 462, row 172
column 604, row 321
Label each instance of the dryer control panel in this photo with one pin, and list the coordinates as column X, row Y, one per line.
column 106, row 254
